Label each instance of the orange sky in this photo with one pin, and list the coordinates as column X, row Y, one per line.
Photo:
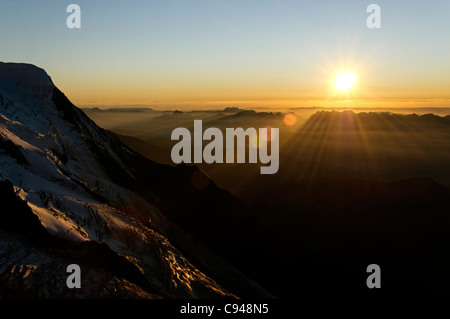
column 194, row 54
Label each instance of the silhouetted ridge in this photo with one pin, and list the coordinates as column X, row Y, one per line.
column 16, row 216
column 351, row 121
column 232, row 109
column 255, row 115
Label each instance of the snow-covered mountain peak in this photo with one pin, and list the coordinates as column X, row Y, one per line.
column 26, row 93
column 83, row 185
column 26, row 78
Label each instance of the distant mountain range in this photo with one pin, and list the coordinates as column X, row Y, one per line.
column 353, row 189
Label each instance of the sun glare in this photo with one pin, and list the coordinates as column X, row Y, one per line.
column 344, row 81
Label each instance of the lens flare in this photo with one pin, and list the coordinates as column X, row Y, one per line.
column 290, row 119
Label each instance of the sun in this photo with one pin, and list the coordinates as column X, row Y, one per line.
column 344, row 81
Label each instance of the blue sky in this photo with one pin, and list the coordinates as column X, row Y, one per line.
column 198, row 51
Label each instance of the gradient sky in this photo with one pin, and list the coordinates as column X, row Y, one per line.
column 233, row 52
